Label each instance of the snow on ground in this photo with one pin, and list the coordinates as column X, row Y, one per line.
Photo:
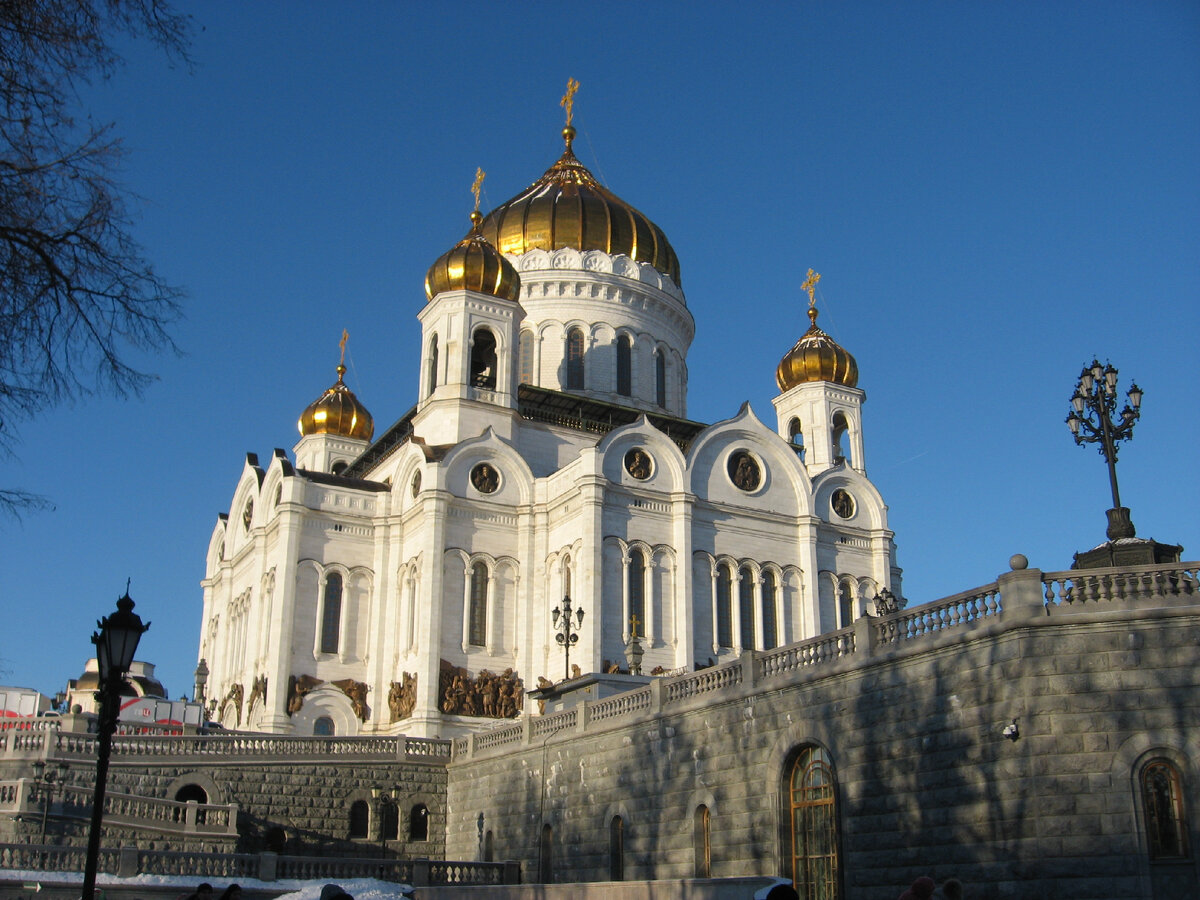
column 358, row 888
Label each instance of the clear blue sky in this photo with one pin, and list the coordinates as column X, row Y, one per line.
column 993, row 192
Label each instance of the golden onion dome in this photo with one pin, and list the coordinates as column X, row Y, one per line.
column 473, row 264
column 337, row 411
column 816, row 357
column 567, row 207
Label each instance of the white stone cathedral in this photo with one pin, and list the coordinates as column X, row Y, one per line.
column 406, row 582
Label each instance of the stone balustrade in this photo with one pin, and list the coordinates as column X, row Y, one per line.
column 1136, row 584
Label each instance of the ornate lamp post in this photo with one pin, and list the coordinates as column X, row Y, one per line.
column 201, row 679
column 568, row 634
column 116, row 642
column 45, row 781
column 1092, row 421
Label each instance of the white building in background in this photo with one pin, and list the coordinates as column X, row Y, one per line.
column 406, row 582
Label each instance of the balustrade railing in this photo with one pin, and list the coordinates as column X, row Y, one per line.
column 620, row 705
column 704, row 681
column 822, row 649
column 969, row 606
column 1127, row 583
column 557, row 722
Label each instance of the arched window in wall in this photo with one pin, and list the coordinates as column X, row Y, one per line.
column 525, row 358
column 489, row 847
column 796, row 437
column 1163, row 806
column 418, row 823
column 323, row 727
column 845, row 605
column 483, row 359
column 770, row 588
column 724, row 607
column 616, row 849
column 624, row 365
column 701, row 842
column 477, row 615
column 389, row 822
column 575, row 360
column 191, row 792
column 433, row 365
column 746, row 607
column 811, row 790
column 546, row 855
column 660, row 378
column 841, row 453
column 637, row 592
column 331, row 613
column 360, row 816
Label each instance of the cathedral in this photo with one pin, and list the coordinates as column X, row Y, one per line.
column 413, row 580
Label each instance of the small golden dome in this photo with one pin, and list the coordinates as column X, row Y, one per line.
column 816, row 357
column 337, row 411
column 567, row 207
column 473, row 264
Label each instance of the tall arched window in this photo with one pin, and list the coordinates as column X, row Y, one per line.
column 575, row 360
column 811, row 790
column 660, row 378
column 624, row 366
column 616, row 849
column 418, row 823
column 483, row 359
column 489, row 848
column 724, row 607
column 845, row 605
column 525, row 358
column 701, row 844
column 433, row 365
column 796, row 437
column 637, row 592
column 746, row 607
column 1162, row 801
column 477, row 625
column 840, row 427
column 331, row 613
column 546, row 855
column 360, row 816
column 770, row 630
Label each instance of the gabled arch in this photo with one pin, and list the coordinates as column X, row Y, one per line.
column 669, row 464
column 516, row 481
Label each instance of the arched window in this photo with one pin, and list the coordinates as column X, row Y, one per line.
column 323, row 727
column 616, row 849
column 339, row 467
column 489, row 850
column 483, row 359
column 660, row 378
column 477, row 630
column 724, row 607
column 331, row 613
column 389, row 822
column 840, row 427
column 525, row 358
column 845, row 605
column 433, row 366
column 746, row 607
column 796, row 437
column 1162, row 801
column 701, row 844
column 637, row 592
column 575, row 360
column 770, row 629
column 360, row 815
column 418, row 823
column 624, row 366
column 811, row 790
column 191, row 792
column 546, row 855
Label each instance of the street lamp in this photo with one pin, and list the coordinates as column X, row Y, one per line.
column 1092, row 421
column 201, row 679
column 116, row 642
column 568, row 634
column 44, row 781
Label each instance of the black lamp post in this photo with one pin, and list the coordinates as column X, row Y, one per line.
column 116, row 642
column 568, row 634
column 45, row 780
column 1092, row 421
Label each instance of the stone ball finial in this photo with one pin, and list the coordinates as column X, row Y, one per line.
column 1018, row 561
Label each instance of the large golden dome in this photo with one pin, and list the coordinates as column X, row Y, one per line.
column 816, row 357
column 337, row 411
column 567, row 207
column 473, row 264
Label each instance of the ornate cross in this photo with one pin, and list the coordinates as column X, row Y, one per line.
column 810, row 285
column 568, row 100
column 634, row 623
column 475, row 188
column 342, row 344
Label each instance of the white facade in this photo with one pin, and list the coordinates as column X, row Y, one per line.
column 709, row 568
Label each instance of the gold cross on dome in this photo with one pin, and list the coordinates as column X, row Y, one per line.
column 810, row 285
column 342, row 344
column 634, row 623
column 478, row 185
column 568, row 100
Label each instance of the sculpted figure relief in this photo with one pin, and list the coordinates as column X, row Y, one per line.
column 357, row 692
column 485, row 478
column 490, row 695
column 297, row 688
column 235, row 695
column 402, row 698
column 258, row 691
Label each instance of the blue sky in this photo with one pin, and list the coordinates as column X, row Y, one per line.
column 993, row 193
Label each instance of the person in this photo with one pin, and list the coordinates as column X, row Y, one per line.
column 952, row 889
column 233, row 892
column 334, row 892
column 203, row 892
column 922, row 889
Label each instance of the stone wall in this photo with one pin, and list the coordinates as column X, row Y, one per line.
column 928, row 783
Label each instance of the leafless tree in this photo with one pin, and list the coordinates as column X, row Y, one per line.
column 77, row 295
